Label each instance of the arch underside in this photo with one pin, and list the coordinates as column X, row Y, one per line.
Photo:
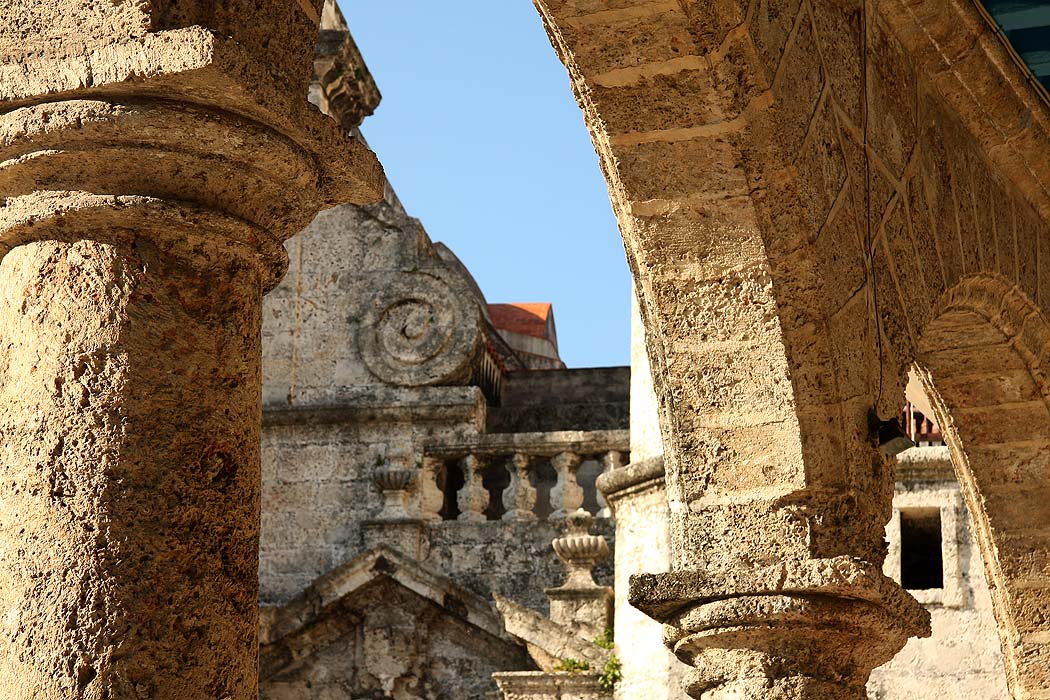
column 983, row 363
column 803, row 189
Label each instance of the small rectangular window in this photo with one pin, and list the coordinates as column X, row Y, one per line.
column 922, row 565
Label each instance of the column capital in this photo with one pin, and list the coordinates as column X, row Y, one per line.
column 826, row 622
column 182, row 102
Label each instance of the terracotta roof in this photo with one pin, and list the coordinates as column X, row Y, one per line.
column 526, row 319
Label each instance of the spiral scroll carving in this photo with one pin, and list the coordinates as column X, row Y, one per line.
column 423, row 329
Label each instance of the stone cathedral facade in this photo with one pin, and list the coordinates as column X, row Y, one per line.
column 261, row 437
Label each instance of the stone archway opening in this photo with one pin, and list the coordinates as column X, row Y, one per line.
column 981, row 367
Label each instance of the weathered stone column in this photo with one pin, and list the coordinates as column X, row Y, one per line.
column 153, row 157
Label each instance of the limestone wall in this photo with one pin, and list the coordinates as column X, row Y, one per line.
column 645, row 424
column 639, row 501
column 639, row 504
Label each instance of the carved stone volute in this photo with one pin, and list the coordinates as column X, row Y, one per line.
column 422, row 328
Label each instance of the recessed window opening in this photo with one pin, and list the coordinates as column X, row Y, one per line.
column 922, row 564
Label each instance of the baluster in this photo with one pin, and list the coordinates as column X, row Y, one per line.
column 610, row 460
column 566, row 496
column 431, row 497
column 519, row 498
column 473, row 498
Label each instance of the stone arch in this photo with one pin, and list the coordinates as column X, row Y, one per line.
column 982, row 360
column 797, row 184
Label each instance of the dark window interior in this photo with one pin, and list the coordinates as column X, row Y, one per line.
column 922, row 566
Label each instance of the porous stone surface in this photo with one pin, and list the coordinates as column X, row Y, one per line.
column 569, row 399
column 550, row 686
column 638, row 500
column 962, row 658
column 812, row 198
column 108, row 489
column 153, row 157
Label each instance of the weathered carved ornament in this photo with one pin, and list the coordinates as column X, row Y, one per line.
column 423, row 328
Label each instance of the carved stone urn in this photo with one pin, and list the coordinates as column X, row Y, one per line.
column 580, row 551
column 394, row 482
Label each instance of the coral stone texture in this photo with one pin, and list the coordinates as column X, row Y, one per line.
column 153, row 158
column 813, row 197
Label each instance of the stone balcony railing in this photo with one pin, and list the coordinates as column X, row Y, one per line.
column 520, row 476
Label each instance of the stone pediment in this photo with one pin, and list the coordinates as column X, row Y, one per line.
column 376, row 623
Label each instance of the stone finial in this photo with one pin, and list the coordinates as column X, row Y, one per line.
column 394, row 483
column 581, row 604
column 580, row 551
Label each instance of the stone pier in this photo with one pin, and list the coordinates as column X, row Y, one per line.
column 153, row 159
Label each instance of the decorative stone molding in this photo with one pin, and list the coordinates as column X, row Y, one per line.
column 346, row 89
column 803, row 630
column 526, row 685
column 638, row 476
column 548, row 642
column 550, row 645
column 581, row 442
column 297, row 629
column 423, row 328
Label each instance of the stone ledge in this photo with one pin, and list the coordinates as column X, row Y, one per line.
column 326, row 591
column 536, row 685
column 547, row 641
column 617, row 484
column 537, row 444
column 665, row 596
column 925, row 464
column 385, row 404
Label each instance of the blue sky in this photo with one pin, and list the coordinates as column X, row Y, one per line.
column 482, row 139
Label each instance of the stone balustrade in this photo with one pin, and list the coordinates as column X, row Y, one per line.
column 520, row 476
